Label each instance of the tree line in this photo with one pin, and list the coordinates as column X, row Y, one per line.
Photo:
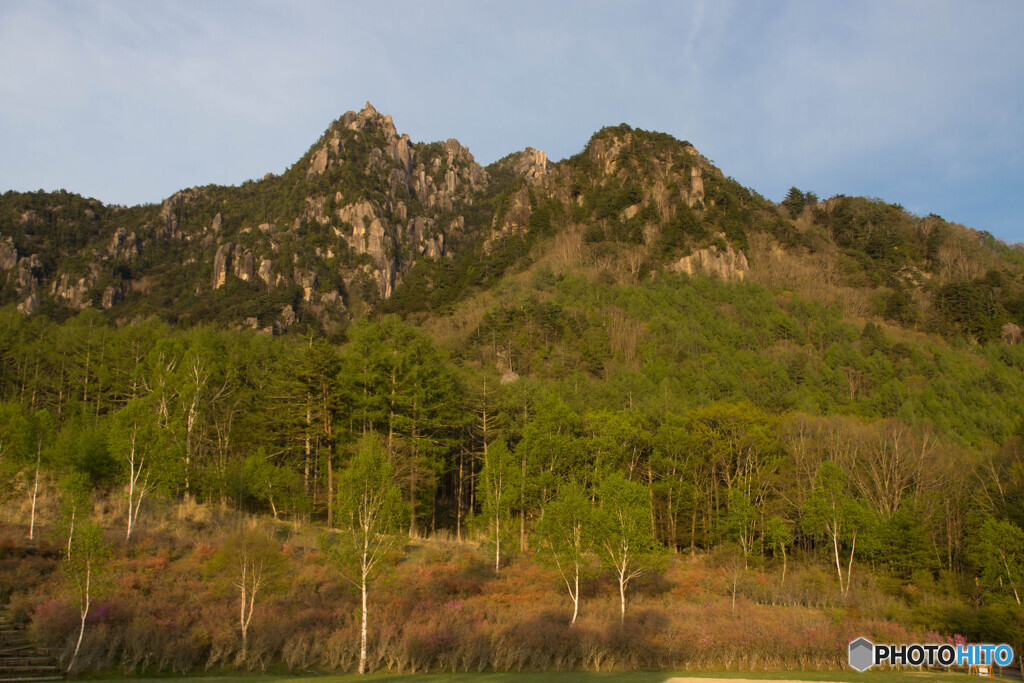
column 266, row 424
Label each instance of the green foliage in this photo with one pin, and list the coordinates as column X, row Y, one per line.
column 899, row 307
column 778, row 534
column 369, row 502
column 696, row 412
column 999, row 554
column 738, row 519
column 796, row 200
column 87, row 571
column 566, row 531
column 681, row 230
column 16, row 438
column 498, row 484
column 370, row 512
column 625, row 533
column 905, row 543
column 566, row 536
column 271, row 484
column 829, row 507
column 82, row 445
column 831, row 513
column 135, row 432
column 75, row 504
column 247, row 549
column 972, row 308
column 399, row 385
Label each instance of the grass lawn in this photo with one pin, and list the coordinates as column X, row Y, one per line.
column 574, row 677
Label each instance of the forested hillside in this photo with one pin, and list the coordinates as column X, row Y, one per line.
column 594, row 400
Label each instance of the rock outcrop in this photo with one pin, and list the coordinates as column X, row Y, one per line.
column 515, row 218
column 30, row 305
column 123, row 245
column 400, row 150
column 361, row 209
column 243, row 265
column 8, row 254
column 266, row 271
column 29, row 219
column 318, row 164
column 170, row 211
column 532, row 165
column 605, row 152
column 28, row 274
column 112, row 296
column 222, row 264
column 727, row 263
column 1011, row 333
column 696, row 194
column 71, row 291
column 286, row 319
column 307, row 280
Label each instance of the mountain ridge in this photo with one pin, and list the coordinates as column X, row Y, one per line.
column 367, row 209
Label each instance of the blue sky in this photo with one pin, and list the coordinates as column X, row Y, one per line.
column 918, row 103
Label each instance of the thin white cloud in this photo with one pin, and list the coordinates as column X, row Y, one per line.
column 917, row 101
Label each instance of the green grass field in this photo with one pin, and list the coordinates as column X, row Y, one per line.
column 578, row 677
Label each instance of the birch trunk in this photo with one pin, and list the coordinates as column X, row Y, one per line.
column 576, row 598
column 71, row 532
column 849, row 568
column 497, row 543
column 835, row 547
column 84, row 612
column 622, row 597
column 35, row 492
column 362, row 630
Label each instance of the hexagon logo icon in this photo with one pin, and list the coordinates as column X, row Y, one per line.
column 862, row 654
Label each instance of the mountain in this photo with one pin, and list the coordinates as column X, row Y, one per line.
column 831, row 388
column 368, row 220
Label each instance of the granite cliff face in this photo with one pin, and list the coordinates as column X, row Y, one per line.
column 341, row 230
column 718, row 259
column 355, row 214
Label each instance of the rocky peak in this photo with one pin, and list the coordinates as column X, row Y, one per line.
column 605, row 152
column 170, row 211
column 367, row 117
column 461, row 163
column 532, row 165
